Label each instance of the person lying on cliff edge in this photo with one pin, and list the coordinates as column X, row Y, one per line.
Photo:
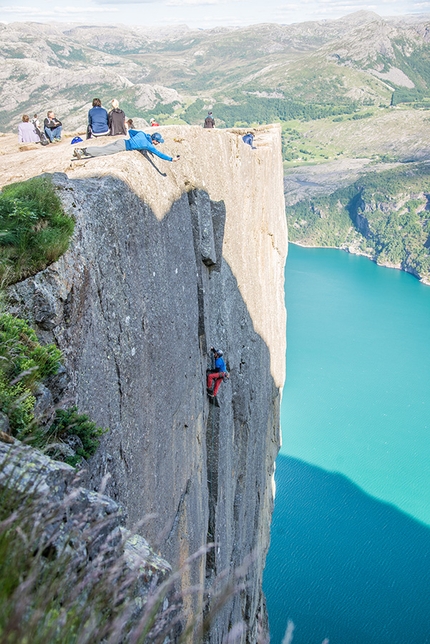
column 138, row 141
column 217, row 374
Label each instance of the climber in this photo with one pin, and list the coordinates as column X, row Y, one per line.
column 138, row 141
column 217, row 374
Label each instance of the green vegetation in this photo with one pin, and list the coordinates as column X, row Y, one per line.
column 24, row 366
column 65, row 579
column 34, row 230
column 385, row 215
column 24, row 363
column 68, row 422
column 252, row 110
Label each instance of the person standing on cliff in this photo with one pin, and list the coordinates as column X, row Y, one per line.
column 138, row 141
column 217, row 374
column 116, row 120
column 209, row 121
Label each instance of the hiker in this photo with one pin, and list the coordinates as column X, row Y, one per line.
column 116, row 120
column 217, row 374
column 53, row 127
column 249, row 139
column 209, row 121
column 138, row 141
column 154, row 123
column 98, row 122
column 26, row 131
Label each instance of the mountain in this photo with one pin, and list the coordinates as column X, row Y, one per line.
column 267, row 71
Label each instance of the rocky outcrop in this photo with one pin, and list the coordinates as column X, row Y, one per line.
column 81, row 529
column 168, row 260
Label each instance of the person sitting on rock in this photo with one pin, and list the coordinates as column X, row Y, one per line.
column 52, row 127
column 217, row 374
column 98, row 121
column 138, row 141
column 117, row 120
column 249, row 139
column 27, row 132
column 154, row 123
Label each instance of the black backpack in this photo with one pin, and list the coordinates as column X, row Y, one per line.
column 42, row 136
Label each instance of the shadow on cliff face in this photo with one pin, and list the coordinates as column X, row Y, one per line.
column 343, row 565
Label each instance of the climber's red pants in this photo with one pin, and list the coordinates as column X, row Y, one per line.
column 216, row 378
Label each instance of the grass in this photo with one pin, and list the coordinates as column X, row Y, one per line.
column 34, row 230
column 66, row 577
column 24, row 365
column 372, row 136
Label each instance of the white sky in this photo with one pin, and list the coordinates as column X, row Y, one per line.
column 197, row 13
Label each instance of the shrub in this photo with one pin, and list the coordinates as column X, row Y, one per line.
column 34, row 230
column 68, row 422
column 24, row 363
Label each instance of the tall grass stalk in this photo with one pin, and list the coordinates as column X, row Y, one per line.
column 65, row 577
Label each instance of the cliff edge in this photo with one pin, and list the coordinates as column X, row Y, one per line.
column 166, row 261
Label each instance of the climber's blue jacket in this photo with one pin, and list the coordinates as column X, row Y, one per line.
column 220, row 364
column 140, row 141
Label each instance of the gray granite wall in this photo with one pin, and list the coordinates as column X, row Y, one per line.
column 135, row 304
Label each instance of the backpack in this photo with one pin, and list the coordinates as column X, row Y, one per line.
column 209, row 122
column 42, row 136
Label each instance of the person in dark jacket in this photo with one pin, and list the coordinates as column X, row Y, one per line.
column 116, row 120
column 98, row 124
column 138, row 141
column 52, row 127
column 209, row 121
column 217, row 374
column 249, row 139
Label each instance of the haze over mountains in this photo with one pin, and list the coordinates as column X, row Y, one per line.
column 359, row 60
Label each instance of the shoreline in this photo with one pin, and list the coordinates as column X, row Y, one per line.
column 423, row 280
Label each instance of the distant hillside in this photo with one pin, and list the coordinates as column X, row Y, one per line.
column 384, row 215
column 251, row 75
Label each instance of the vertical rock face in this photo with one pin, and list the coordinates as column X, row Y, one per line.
column 162, row 267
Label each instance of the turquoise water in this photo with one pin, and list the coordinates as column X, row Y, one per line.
column 350, row 552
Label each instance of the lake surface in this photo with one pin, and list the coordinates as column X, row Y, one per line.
column 349, row 560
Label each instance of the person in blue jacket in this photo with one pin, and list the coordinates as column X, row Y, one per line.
column 249, row 139
column 138, row 141
column 217, row 374
column 98, row 120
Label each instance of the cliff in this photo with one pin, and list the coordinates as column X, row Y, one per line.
column 166, row 261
